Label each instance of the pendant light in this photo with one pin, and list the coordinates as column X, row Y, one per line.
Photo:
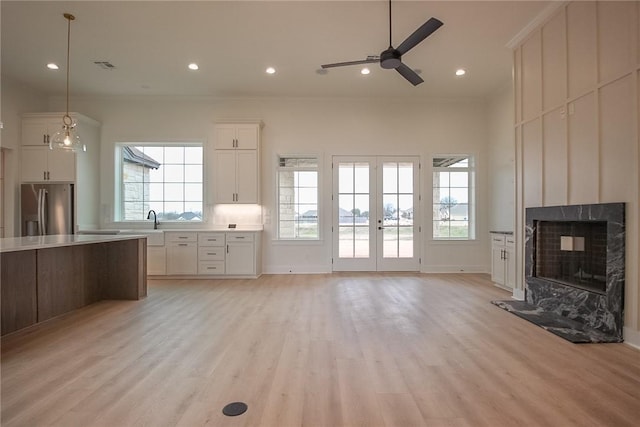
column 67, row 138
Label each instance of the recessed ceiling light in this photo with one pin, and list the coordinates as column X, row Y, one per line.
column 52, row 66
column 461, row 72
column 270, row 70
column 365, row 71
column 193, row 66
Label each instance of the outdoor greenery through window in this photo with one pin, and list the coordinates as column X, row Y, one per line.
column 453, row 198
column 298, row 198
column 164, row 177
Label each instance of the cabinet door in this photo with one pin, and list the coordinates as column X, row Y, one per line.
column 33, row 164
column 225, row 137
column 247, row 176
column 156, row 261
column 61, row 165
column 240, row 258
column 36, row 132
column 247, row 137
column 497, row 264
column 225, row 174
column 182, row 258
column 510, row 268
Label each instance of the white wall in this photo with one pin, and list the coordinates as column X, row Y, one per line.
column 324, row 126
column 501, row 160
column 16, row 100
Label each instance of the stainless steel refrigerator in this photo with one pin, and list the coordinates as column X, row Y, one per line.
column 47, row 209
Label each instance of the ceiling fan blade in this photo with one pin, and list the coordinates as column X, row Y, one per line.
column 409, row 74
column 370, row 60
column 420, row 34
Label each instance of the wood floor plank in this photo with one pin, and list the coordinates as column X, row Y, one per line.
column 341, row 349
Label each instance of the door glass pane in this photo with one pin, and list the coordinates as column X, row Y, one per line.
column 361, row 209
column 345, row 242
column 390, row 209
column 361, row 243
column 345, row 209
column 405, row 178
column 390, row 178
column 405, row 209
column 361, row 178
column 390, row 242
column 405, row 242
column 345, row 178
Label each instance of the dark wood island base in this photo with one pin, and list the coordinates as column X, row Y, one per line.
column 40, row 284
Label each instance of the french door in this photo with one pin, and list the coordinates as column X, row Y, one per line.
column 375, row 206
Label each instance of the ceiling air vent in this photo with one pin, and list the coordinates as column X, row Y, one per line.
column 105, row 65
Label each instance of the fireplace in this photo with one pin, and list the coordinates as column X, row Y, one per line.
column 574, row 264
column 572, row 253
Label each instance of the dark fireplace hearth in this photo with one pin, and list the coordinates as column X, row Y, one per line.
column 574, row 267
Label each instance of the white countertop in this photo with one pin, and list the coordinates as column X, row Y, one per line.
column 13, row 244
column 216, row 228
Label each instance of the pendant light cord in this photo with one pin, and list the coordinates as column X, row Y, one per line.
column 69, row 18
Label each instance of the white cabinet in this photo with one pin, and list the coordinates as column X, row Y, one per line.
column 240, row 256
column 38, row 130
column 182, row 253
column 156, row 260
column 237, row 163
column 206, row 253
column 42, row 164
column 241, row 136
column 211, row 253
column 503, row 260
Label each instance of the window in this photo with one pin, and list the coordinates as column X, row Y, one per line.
column 453, row 206
column 164, row 177
column 298, row 198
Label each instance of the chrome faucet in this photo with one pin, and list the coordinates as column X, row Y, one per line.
column 155, row 219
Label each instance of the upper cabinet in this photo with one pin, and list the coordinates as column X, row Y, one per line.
column 38, row 130
column 240, row 136
column 237, row 163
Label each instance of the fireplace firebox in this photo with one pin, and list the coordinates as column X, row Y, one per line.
column 573, row 253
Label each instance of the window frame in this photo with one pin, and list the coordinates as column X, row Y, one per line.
column 470, row 169
column 318, row 169
column 119, row 190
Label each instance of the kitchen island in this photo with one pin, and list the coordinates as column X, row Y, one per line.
column 45, row 276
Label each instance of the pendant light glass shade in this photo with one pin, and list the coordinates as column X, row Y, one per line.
column 67, row 138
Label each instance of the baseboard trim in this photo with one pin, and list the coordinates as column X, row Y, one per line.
column 631, row 337
column 286, row 269
column 454, row 269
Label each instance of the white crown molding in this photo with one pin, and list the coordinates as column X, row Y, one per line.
column 536, row 22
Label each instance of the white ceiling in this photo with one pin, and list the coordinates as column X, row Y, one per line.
column 151, row 43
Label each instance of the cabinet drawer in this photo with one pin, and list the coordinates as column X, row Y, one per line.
column 510, row 241
column 239, row 237
column 211, row 267
column 172, row 236
column 210, row 239
column 497, row 239
column 211, row 254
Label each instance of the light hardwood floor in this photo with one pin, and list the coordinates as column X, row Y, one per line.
column 313, row 350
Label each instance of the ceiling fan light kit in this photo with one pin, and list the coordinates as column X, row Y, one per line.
column 391, row 58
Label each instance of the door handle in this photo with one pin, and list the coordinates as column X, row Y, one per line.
column 381, row 228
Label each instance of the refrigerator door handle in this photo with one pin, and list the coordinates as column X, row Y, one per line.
column 42, row 211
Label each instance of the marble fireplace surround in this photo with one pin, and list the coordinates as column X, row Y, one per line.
column 599, row 316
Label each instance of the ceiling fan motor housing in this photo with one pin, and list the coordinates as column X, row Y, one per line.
column 390, row 59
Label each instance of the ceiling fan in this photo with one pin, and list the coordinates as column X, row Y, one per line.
column 391, row 58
